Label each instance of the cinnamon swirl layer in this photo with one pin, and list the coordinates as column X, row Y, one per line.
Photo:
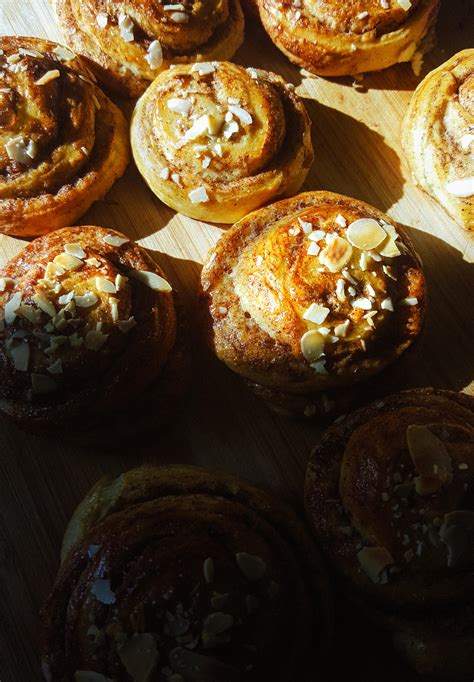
column 215, row 141
column 438, row 136
column 176, row 571
column 87, row 331
column 315, row 292
column 389, row 494
column 63, row 143
column 129, row 43
column 338, row 38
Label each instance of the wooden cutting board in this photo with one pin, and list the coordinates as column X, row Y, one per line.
column 356, row 134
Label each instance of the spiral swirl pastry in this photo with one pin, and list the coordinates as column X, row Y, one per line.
column 129, row 43
column 438, row 136
column 63, row 143
column 176, row 573
column 339, row 38
column 312, row 294
column 389, row 494
column 88, row 334
column 216, row 141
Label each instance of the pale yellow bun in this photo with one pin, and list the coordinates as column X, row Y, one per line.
column 129, row 43
column 339, row 38
column 63, row 143
column 216, row 141
column 438, row 136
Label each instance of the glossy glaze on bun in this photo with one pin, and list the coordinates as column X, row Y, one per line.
column 178, row 571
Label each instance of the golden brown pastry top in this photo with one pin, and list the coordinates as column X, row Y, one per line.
column 175, row 570
column 131, row 42
column 62, row 141
column 389, row 494
column 87, row 322
column 312, row 292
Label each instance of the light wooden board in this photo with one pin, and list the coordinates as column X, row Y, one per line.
column 356, row 136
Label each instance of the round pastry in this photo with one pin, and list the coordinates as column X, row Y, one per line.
column 88, row 335
column 129, row 43
column 311, row 295
column 339, row 38
column 63, row 143
column 389, row 494
column 174, row 573
column 438, row 136
column 215, row 141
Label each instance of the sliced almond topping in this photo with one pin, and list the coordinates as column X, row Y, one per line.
column 68, row 262
column 208, row 569
column 113, row 302
column 253, row 567
column 317, row 235
column 95, row 339
column 244, row 117
column 204, row 125
column 17, row 150
column 126, row 325
column 180, row 105
column 431, row 459
column 30, row 313
column 366, row 234
column 102, row 20
column 53, row 270
column 154, row 55
column 462, row 188
column 120, row 282
column 48, row 76
column 405, row 4
column 316, row 313
column 198, row 195
column 362, row 304
column 75, row 250
column 410, row 302
column 387, row 304
column 203, row 68
column 340, row 220
column 63, row 53
column 56, row 367
column 139, row 656
column 312, row 345
column 20, row 355
column 305, row 226
column 40, row 383
column 151, row 279
column 313, row 249
column 4, row 282
column 86, row 300
column 336, row 254
column 374, row 560
column 390, row 249
column 115, row 240
column 75, row 340
column 104, row 284
column 126, row 27
column 44, row 304
column 65, row 299
column 320, row 367
column 341, row 329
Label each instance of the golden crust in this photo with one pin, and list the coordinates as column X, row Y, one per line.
column 83, row 339
column 169, row 540
column 438, row 135
column 201, row 32
column 260, row 282
column 362, row 491
column 76, row 137
column 262, row 152
column 339, row 38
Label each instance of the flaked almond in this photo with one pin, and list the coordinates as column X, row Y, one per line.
column 336, row 254
column 95, row 339
column 362, row 303
column 316, row 235
column 387, row 304
column 312, row 345
column 462, row 188
column 56, row 367
column 44, row 304
column 151, row 279
column 341, row 329
column 202, row 126
column 86, row 300
column 53, row 270
column 208, row 569
column 113, row 302
column 40, row 383
column 374, row 560
column 389, row 249
column 30, row 313
column 120, row 282
column 244, row 117
column 366, row 234
column 68, row 262
column 180, row 105
column 320, row 367
column 253, row 567
column 154, row 55
column 63, row 53
column 17, row 150
column 75, row 250
column 126, row 27
column 102, row 591
column 198, row 195
column 203, row 68
column 104, row 284
column 126, row 325
column 305, row 226
column 316, row 313
column 431, row 459
column 48, row 76
column 139, row 655
column 115, row 240
column 20, row 355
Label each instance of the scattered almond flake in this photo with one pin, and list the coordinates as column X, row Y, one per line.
column 104, row 284
column 48, row 76
column 113, row 302
column 365, row 234
column 56, row 367
column 154, row 55
column 389, row 271
column 175, row 178
column 115, row 240
column 305, row 226
column 179, row 17
column 44, row 304
column 20, row 355
column 370, row 290
column 66, row 298
column 462, row 188
column 362, row 15
column 463, row 466
column 203, row 68
column 316, row 313
column 85, row 300
column 206, row 161
column 14, row 58
column 431, row 459
column 75, row 340
column 317, row 235
column 312, row 345
column 126, row 325
column 384, row 4
column 180, row 105
column 139, row 656
column 313, row 249
column 102, row 591
column 126, row 27
column 319, row 367
column 258, row 261
column 96, row 101
column 347, row 275
column 206, row 124
column 408, row 302
column 5, row 281
column 164, row 173
column 53, row 270
column 102, row 20
column 387, row 304
column 253, row 73
column 120, row 282
column 68, row 262
column 324, row 331
column 230, row 129
column 244, row 117
column 336, row 254
column 30, row 53
column 340, row 292
column 374, row 561
column 364, row 260
column 351, row 291
column 198, row 195
column 95, row 339
column 85, row 79
column 340, row 220
column 466, row 141
column 75, row 250
column 218, row 149
column 293, row 231
column 405, row 4
column 31, row 314
column 208, row 569
column 90, row 676
column 151, row 279
column 341, row 329
column 362, row 304
column 390, row 249
column 171, row 8
column 63, row 53
column 40, row 383
column 55, row 343
column 17, row 150
column 253, row 567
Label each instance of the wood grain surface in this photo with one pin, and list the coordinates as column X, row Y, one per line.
column 356, row 134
